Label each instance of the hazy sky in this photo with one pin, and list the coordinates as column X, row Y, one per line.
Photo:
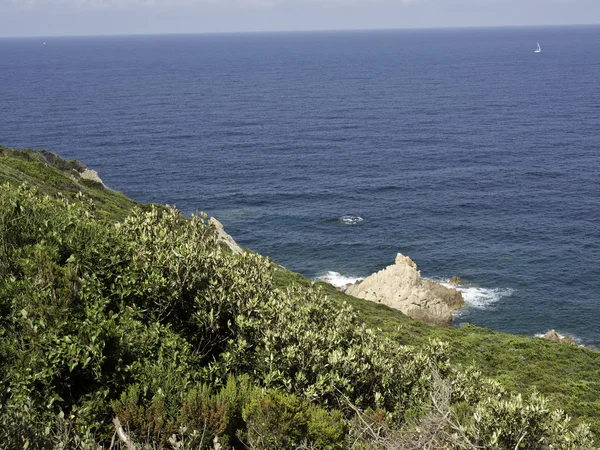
column 76, row 17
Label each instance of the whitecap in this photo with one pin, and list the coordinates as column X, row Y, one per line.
column 338, row 280
column 351, row 220
column 480, row 297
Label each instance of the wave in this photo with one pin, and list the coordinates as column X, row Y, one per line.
column 338, row 280
column 350, row 220
column 480, row 297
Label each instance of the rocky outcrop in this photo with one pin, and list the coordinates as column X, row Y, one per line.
column 455, row 281
column 222, row 236
column 92, row 175
column 400, row 286
column 552, row 335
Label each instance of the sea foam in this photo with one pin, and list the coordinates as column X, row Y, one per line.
column 351, row 220
column 338, row 280
column 480, row 297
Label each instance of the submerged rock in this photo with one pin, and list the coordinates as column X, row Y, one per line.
column 222, row 236
column 400, row 286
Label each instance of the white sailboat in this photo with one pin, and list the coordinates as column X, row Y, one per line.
column 538, row 49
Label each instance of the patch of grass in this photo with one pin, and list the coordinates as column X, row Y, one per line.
column 51, row 175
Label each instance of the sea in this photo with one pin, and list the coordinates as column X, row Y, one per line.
column 333, row 151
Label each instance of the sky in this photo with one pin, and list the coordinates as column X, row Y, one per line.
column 108, row 17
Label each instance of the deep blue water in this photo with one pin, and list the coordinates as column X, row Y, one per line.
column 460, row 148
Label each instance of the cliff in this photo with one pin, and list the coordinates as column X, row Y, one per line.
column 401, row 287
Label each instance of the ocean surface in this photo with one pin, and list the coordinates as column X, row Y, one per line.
column 333, row 151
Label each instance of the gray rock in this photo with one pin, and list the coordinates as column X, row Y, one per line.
column 89, row 174
column 222, row 236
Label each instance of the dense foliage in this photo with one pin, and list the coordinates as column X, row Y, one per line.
column 152, row 321
column 568, row 376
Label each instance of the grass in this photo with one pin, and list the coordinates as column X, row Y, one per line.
column 51, row 174
column 568, row 375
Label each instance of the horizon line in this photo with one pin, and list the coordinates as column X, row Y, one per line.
column 299, row 31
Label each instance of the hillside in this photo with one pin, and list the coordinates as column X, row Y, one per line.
column 569, row 376
column 109, row 308
column 51, row 174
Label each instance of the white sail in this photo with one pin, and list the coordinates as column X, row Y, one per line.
column 538, row 49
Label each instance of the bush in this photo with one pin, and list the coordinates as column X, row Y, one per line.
column 515, row 423
column 203, row 414
column 282, row 421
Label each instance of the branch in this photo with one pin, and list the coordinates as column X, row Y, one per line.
column 122, row 435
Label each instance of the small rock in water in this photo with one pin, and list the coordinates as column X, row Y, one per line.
column 455, row 281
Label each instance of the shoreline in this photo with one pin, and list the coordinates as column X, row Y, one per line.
column 474, row 297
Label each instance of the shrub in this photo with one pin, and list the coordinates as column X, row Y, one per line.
column 515, row 423
column 282, row 421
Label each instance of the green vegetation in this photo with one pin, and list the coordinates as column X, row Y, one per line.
column 568, row 376
column 108, row 310
column 51, row 174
